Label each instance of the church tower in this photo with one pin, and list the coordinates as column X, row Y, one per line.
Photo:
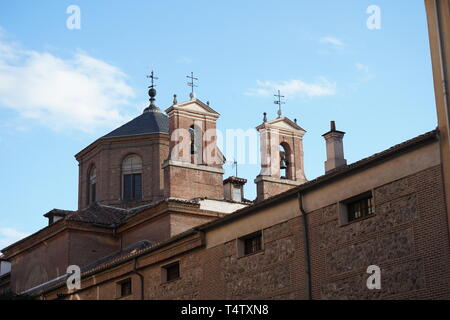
column 194, row 167
column 282, row 167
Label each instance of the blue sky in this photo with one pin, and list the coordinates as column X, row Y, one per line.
column 61, row 89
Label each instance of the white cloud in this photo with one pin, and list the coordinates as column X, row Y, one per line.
column 365, row 74
column 81, row 93
column 334, row 41
column 8, row 236
column 362, row 67
column 292, row 88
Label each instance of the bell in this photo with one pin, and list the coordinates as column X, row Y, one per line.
column 283, row 163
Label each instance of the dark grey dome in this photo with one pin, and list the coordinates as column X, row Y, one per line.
column 151, row 121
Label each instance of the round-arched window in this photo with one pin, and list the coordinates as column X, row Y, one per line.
column 284, row 162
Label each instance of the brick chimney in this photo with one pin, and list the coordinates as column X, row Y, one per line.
column 233, row 189
column 335, row 149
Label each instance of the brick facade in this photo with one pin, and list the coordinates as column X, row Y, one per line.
column 107, row 155
column 193, row 173
column 406, row 237
column 284, row 134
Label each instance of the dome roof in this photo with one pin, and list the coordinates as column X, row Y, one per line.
column 151, row 121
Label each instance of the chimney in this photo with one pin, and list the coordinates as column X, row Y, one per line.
column 233, row 189
column 335, row 149
column 55, row 215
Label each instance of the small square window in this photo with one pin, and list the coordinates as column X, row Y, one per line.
column 124, row 288
column 358, row 208
column 171, row 272
column 250, row 244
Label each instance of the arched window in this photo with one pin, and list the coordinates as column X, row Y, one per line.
column 132, row 178
column 192, row 134
column 284, row 162
column 92, row 183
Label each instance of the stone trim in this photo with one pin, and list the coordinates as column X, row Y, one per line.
column 187, row 165
column 275, row 180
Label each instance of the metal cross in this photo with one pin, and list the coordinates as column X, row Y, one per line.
column 153, row 77
column 192, row 84
column 279, row 103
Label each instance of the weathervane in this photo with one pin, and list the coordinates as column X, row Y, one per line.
column 192, row 85
column 152, row 92
column 279, row 103
column 235, row 165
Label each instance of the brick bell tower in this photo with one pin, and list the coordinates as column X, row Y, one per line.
column 282, row 167
column 194, row 167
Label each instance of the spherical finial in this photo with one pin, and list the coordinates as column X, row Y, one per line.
column 175, row 99
column 152, row 92
column 295, row 120
column 265, row 117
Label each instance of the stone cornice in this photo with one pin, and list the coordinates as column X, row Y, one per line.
column 187, row 165
column 275, row 180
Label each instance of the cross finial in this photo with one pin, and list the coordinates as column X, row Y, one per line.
column 153, row 78
column 152, row 93
column 235, row 165
column 279, row 102
column 192, row 85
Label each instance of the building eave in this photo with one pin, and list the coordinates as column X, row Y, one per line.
column 49, row 232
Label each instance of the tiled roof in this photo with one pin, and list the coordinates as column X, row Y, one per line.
column 58, row 213
column 99, row 214
column 105, row 261
column 235, row 180
column 147, row 122
column 108, row 216
column 130, row 250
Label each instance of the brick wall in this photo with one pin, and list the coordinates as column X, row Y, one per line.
column 188, row 183
column 108, row 156
column 266, row 189
column 407, row 238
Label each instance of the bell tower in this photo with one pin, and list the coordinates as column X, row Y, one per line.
column 282, row 167
column 194, row 167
